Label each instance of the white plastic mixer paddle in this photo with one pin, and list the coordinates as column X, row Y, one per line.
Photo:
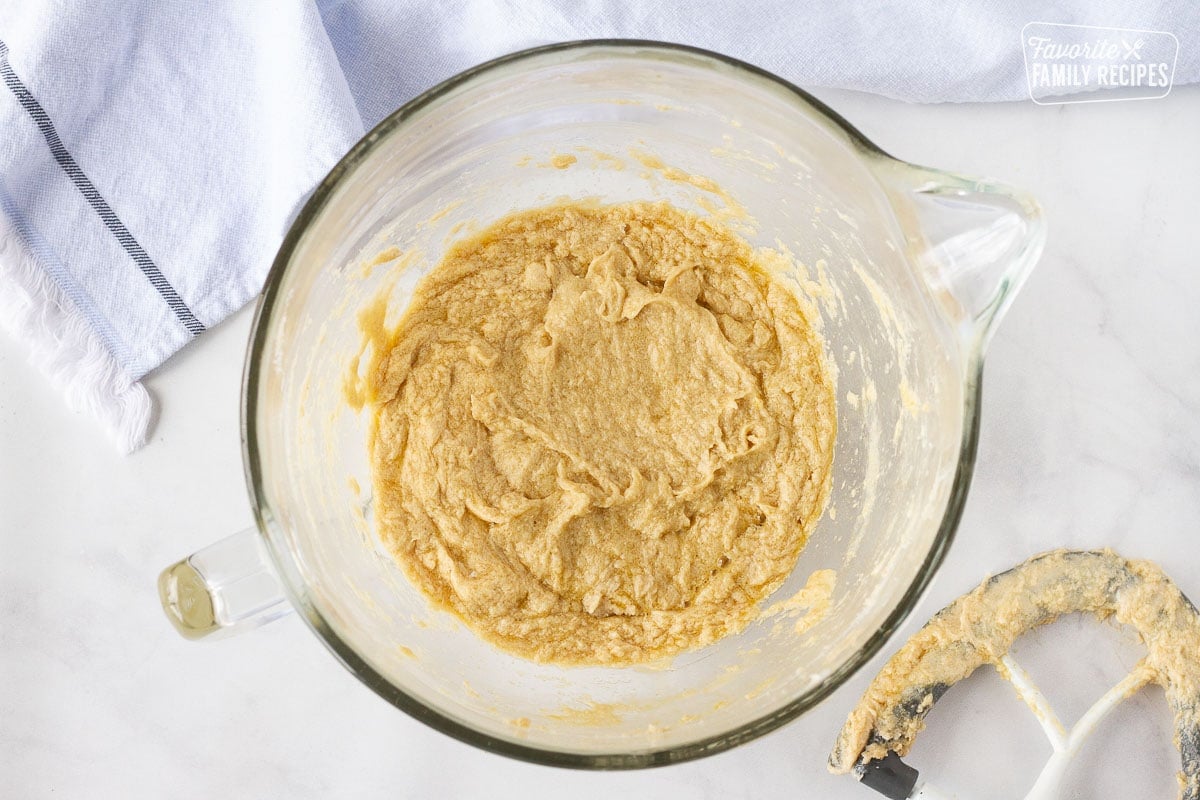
column 980, row 628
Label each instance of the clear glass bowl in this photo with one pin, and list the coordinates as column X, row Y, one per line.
column 909, row 269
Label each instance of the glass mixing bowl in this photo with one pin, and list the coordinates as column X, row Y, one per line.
column 907, row 268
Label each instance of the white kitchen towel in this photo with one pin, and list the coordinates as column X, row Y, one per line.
column 153, row 153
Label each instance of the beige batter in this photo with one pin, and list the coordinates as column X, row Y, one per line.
column 602, row 435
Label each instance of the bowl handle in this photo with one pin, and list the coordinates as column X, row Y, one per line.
column 974, row 240
column 225, row 588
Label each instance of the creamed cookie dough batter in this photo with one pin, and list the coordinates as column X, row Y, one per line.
column 602, row 433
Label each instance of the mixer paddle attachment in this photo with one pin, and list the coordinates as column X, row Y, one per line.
column 980, row 628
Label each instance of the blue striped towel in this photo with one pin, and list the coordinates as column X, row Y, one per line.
column 152, row 154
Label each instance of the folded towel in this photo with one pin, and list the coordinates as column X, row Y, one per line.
column 152, row 154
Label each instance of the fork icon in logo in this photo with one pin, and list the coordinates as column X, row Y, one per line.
column 1132, row 49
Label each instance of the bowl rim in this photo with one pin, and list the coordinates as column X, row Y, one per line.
column 284, row 562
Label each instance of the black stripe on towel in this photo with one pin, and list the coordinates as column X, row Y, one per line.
column 98, row 203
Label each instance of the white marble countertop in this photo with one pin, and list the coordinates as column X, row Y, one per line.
column 1091, row 437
